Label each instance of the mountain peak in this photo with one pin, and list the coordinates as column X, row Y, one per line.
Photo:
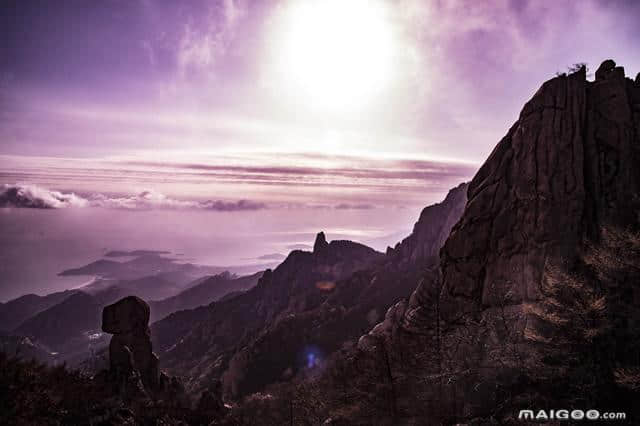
column 548, row 193
column 321, row 243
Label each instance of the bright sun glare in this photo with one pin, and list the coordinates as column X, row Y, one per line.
column 335, row 54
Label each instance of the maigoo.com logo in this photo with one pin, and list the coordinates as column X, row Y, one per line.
column 563, row 414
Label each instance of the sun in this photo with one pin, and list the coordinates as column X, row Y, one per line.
column 334, row 54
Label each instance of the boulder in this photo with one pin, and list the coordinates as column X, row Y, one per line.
column 126, row 315
column 130, row 349
column 604, row 69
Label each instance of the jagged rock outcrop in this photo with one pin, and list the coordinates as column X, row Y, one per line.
column 321, row 243
column 432, row 229
column 352, row 304
column 468, row 344
column 313, row 303
column 130, row 349
column 297, row 285
column 567, row 167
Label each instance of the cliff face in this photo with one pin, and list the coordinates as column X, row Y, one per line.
column 432, row 229
column 522, row 269
column 566, row 168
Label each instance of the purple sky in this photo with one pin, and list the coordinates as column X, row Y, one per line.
column 342, row 115
column 150, row 80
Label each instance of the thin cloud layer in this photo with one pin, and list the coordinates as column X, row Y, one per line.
column 347, row 206
column 154, row 200
column 286, row 180
column 31, row 196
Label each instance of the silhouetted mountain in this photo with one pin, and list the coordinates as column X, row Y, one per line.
column 230, row 295
column 353, row 305
column 207, row 290
column 144, row 265
column 67, row 326
column 295, row 285
column 536, row 304
column 169, row 331
column 14, row 312
column 103, row 267
column 150, row 287
column 294, row 310
column 183, row 278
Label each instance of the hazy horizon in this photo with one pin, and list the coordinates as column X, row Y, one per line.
column 209, row 128
column 37, row 244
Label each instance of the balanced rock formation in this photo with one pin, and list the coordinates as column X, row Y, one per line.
column 130, row 349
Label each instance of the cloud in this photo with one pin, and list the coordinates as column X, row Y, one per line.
column 31, row 196
column 233, row 206
column 207, row 36
column 272, row 256
column 349, row 168
column 285, row 180
column 347, row 206
column 147, row 200
column 478, row 62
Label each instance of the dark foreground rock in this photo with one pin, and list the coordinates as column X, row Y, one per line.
column 35, row 394
column 132, row 391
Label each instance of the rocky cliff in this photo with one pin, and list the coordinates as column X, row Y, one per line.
column 565, row 169
column 432, row 229
column 536, row 294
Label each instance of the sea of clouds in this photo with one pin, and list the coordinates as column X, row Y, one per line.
column 32, row 196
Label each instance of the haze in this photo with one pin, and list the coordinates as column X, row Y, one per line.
column 213, row 128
